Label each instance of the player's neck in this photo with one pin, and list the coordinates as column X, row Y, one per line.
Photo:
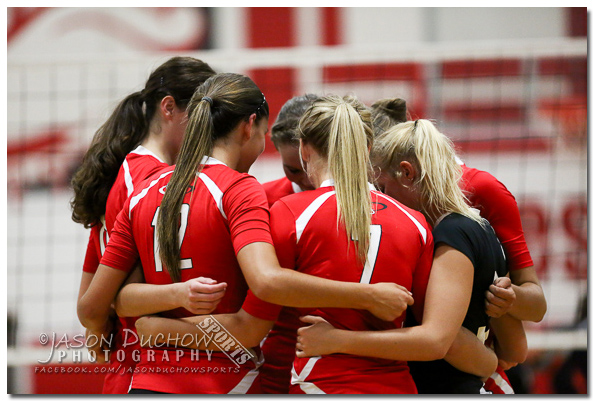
column 226, row 154
column 318, row 172
column 157, row 145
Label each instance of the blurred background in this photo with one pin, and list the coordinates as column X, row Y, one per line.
column 508, row 85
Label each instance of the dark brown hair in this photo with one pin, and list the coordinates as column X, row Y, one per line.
column 284, row 130
column 216, row 108
column 125, row 129
column 388, row 112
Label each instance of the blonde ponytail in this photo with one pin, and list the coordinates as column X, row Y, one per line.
column 340, row 129
column 348, row 164
column 420, row 143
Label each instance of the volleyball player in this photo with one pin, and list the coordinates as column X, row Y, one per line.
column 223, row 214
column 417, row 167
column 524, row 300
column 388, row 112
column 315, row 232
column 310, row 234
column 283, row 135
column 279, row 346
column 142, row 135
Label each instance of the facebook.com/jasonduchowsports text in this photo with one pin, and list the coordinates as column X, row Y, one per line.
column 159, row 353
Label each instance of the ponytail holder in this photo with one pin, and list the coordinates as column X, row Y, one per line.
column 208, row 99
column 262, row 103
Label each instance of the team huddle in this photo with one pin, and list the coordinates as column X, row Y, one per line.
column 380, row 263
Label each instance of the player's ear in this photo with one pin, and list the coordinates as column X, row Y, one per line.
column 408, row 173
column 246, row 127
column 305, row 151
column 167, row 106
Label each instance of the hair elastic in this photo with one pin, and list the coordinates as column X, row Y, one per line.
column 208, row 99
column 263, row 102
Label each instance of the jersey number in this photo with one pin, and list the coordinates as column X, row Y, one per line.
column 103, row 237
column 483, row 333
column 375, row 235
column 184, row 263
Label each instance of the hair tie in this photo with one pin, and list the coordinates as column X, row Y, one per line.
column 262, row 104
column 415, row 124
column 208, row 99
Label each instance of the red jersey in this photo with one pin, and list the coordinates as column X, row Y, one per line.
column 280, row 188
column 496, row 204
column 278, row 347
column 222, row 212
column 498, row 383
column 306, row 237
column 98, row 238
column 138, row 165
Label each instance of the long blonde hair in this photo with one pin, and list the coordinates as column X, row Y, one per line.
column 432, row 153
column 340, row 129
column 215, row 109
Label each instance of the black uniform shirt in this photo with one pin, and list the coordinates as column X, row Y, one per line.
column 480, row 244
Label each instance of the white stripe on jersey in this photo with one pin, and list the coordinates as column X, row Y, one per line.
column 296, row 189
column 304, row 218
column 502, row 383
column 215, row 192
column 140, row 150
column 142, row 194
column 307, row 387
column 128, row 178
column 103, row 235
column 422, row 230
column 246, row 382
column 209, row 160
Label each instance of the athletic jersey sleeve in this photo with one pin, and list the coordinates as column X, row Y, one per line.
column 277, row 189
column 283, row 235
column 121, row 252
column 453, row 233
column 499, row 207
column 91, row 258
column 421, row 276
column 260, row 309
column 246, row 207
